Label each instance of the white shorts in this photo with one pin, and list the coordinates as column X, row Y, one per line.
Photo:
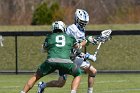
column 81, row 63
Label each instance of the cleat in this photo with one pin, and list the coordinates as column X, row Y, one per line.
column 40, row 87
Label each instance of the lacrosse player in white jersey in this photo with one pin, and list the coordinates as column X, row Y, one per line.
column 77, row 30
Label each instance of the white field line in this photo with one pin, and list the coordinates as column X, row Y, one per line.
column 12, row 87
column 114, row 81
column 122, row 90
column 107, row 81
column 106, row 91
column 114, row 91
column 9, row 87
column 6, row 81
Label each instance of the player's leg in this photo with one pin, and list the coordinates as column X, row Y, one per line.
column 90, row 84
column 30, row 83
column 75, row 71
column 45, row 69
column 75, row 84
column 91, row 78
column 55, row 83
column 86, row 66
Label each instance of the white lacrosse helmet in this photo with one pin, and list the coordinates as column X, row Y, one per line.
column 81, row 18
column 57, row 26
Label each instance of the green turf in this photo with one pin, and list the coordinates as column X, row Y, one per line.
column 104, row 83
column 121, row 53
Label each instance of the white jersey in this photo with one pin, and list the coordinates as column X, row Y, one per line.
column 75, row 32
column 79, row 36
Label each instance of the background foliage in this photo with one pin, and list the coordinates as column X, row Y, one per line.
column 20, row 12
column 46, row 15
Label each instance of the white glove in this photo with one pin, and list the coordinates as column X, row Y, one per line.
column 93, row 40
column 91, row 57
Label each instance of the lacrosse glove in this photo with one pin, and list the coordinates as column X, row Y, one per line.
column 91, row 57
column 93, row 40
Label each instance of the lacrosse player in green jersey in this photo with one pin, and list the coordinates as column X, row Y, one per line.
column 58, row 45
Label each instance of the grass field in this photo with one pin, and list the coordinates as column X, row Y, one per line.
column 120, row 53
column 105, row 83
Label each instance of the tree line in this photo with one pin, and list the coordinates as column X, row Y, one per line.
column 43, row 12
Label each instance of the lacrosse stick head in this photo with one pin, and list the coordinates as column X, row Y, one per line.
column 1, row 39
column 106, row 35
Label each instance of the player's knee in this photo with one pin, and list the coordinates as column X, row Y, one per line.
column 93, row 72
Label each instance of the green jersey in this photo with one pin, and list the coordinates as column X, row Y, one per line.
column 59, row 45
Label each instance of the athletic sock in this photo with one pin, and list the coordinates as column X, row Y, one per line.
column 73, row 91
column 22, row 92
column 90, row 90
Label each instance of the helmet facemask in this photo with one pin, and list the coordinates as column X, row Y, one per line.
column 82, row 23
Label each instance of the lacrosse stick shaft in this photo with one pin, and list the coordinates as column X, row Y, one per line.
column 98, row 47
column 1, row 39
column 1, row 44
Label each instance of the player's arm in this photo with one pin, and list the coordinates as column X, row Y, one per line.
column 81, row 44
column 84, row 42
column 44, row 46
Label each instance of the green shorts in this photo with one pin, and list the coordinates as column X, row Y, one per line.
column 64, row 68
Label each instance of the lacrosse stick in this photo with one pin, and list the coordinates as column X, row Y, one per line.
column 1, row 39
column 105, row 36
